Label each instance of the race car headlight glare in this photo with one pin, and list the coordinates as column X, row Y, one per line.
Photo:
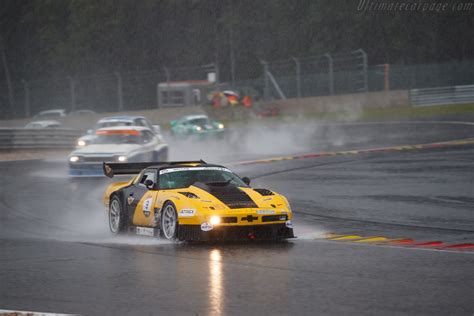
column 198, row 128
column 73, row 159
column 122, row 158
column 215, row 220
column 221, row 126
column 81, row 143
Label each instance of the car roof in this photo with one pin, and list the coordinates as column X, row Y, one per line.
column 125, row 128
column 194, row 116
column 45, row 122
column 82, row 110
column 120, row 118
column 52, row 111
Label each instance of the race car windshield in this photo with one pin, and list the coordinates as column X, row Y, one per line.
column 200, row 121
column 113, row 123
column 185, row 178
column 118, row 139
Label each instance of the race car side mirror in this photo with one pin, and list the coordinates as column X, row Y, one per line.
column 149, row 183
column 246, row 180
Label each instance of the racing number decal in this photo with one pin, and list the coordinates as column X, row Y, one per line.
column 147, row 206
column 143, row 214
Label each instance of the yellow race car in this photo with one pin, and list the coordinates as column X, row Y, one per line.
column 193, row 201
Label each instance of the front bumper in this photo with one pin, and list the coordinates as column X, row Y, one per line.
column 86, row 170
column 235, row 233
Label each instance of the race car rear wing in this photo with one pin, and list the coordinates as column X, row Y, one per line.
column 117, row 168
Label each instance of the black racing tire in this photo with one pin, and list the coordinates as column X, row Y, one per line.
column 169, row 221
column 118, row 221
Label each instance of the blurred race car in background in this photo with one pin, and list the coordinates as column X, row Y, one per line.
column 197, row 125
column 120, row 144
column 48, row 114
column 44, row 124
column 81, row 112
column 193, row 201
column 122, row 120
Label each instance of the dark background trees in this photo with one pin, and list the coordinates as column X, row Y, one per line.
column 56, row 38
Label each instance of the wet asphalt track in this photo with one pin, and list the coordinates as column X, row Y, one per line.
column 56, row 254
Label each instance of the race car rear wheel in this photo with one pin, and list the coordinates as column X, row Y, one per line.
column 117, row 218
column 169, row 221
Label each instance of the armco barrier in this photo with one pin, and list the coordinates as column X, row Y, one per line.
column 160, row 116
column 26, row 138
column 442, row 95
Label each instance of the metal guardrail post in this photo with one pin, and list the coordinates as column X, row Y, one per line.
column 364, row 68
column 364, row 65
column 119, row 91
column 266, row 89
column 276, row 85
column 330, row 73
column 26, row 88
column 216, row 68
column 72, row 87
column 168, row 78
column 386, row 77
column 298, row 77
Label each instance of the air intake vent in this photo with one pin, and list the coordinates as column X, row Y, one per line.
column 274, row 218
column 264, row 192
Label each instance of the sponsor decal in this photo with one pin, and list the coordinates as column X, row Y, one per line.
column 147, row 206
column 130, row 200
column 289, row 224
column 187, row 212
column 265, row 212
column 205, row 227
column 145, row 231
column 168, row 170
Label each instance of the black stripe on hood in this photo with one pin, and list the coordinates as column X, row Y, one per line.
column 228, row 194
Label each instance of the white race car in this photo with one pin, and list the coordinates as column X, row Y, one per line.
column 118, row 120
column 44, row 124
column 117, row 144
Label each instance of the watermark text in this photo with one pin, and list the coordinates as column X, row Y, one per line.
column 414, row 6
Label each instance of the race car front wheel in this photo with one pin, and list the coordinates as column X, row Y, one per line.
column 169, row 222
column 117, row 218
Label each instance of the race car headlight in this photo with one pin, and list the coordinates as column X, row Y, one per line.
column 122, row 158
column 221, row 126
column 81, row 143
column 198, row 128
column 73, row 159
column 215, row 220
